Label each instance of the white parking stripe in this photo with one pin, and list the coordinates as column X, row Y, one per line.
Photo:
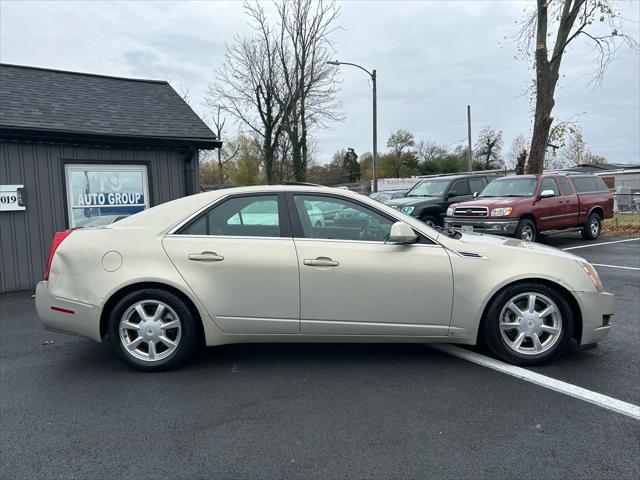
column 614, row 266
column 603, row 401
column 602, row 243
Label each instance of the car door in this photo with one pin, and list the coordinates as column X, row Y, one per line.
column 551, row 210
column 239, row 258
column 353, row 283
column 569, row 201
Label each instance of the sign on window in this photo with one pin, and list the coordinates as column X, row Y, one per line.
column 103, row 194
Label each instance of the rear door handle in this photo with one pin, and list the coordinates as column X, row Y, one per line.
column 206, row 257
column 321, row 262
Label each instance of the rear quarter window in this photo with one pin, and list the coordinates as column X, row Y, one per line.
column 589, row 184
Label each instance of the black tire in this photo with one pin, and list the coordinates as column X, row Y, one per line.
column 429, row 220
column 526, row 230
column 593, row 227
column 187, row 341
column 493, row 337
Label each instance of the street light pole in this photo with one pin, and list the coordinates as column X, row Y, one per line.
column 372, row 74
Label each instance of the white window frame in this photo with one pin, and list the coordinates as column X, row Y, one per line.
column 101, row 167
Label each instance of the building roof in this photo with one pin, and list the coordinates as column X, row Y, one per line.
column 69, row 105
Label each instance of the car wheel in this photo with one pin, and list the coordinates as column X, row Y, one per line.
column 429, row 220
column 592, row 228
column 526, row 230
column 528, row 324
column 152, row 330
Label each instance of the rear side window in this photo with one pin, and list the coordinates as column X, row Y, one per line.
column 589, row 184
column 254, row 216
column 549, row 184
column 565, row 187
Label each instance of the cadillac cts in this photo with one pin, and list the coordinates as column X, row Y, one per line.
column 255, row 264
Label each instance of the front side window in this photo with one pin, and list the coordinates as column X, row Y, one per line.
column 476, row 184
column 340, row 219
column 549, row 184
column 460, row 188
column 253, row 216
column 103, row 194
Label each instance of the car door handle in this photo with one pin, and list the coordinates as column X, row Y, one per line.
column 206, row 257
column 321, row 262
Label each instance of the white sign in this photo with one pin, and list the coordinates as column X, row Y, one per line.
column 396, row 183
column 11, row 198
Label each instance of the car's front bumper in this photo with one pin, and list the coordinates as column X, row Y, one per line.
column 505, row 226
column 67, row 316
column 597, row 312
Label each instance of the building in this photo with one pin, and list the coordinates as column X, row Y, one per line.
column 80, row 149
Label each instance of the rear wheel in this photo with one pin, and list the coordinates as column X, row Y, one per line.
column 526, row 230
column 528, row 324
column 592, row 228
column 152, row 330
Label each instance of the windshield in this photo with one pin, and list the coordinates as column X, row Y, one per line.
column 429, row 188
column 510, row 187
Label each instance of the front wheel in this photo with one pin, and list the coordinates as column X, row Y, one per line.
column 526, row 230
column 152, row 330
column 429, row 220
column 528, row 324
column 592, row 228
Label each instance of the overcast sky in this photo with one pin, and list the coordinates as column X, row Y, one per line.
column 432, row 57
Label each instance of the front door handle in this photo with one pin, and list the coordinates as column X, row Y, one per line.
column 321, row 262
column 205, row 257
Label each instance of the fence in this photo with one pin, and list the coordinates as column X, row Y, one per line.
column 626, row 202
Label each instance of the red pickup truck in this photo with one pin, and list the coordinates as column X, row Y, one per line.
column 525, row 205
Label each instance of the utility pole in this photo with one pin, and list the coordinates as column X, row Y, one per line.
column 469, row 137
column 374, row 171
column 374, row 163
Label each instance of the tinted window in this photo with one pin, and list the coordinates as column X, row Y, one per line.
column 565, row 188
column 340, row 219
column 255, row 216
column 549, row 184
column 589, row 184
column 460, row 187
column 476, row 184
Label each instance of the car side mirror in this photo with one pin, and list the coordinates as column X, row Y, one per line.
column 401, row 233
column 451, row 194
column 547, row 194
column 475, row 194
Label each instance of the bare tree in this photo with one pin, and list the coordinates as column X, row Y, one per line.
column 230, row 150
column 489, row 148
column 571, row 19
column 304, row 49
column 518, row 145
column 429, row 151
column 249, row 84
column 398, row 141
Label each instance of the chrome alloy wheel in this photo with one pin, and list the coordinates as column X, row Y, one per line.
column 150, row 330
column 527, row 233
column 530, row 323
column 595, row 226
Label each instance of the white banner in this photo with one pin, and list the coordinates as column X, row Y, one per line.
column 396, row 183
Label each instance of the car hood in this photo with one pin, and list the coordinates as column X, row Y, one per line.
column 480, row 240
column 493, row 202
column 411, row 201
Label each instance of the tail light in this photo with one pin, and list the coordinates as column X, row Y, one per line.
column 57, row 240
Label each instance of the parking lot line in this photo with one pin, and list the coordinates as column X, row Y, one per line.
column 602, row 243
column 614, row 266
column 580, row 393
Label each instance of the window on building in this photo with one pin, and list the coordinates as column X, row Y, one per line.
column 102, row 194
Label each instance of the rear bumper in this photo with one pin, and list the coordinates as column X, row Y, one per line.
column 66, row 316
column 506, row 226
column 597, row 312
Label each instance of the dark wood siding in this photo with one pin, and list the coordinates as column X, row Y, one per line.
column 25, row 236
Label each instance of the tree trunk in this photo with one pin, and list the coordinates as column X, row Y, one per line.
column 220, row 174
column 269, row 153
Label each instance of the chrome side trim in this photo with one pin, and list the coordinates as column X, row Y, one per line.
column 258, row 326
column 330, row 327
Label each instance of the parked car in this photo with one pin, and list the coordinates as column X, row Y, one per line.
column 388, row 195
column 428, row 200
column 159, row 283
column 524, row 206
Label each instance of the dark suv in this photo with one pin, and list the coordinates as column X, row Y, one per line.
column 428, row 199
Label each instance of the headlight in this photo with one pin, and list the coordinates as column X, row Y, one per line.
column 593, row 275
column 501, row 212
column 450, row 212
column 408, row 210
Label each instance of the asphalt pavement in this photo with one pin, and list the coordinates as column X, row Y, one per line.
column 70, row 409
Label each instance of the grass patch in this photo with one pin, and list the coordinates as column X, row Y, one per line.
column 622, row 224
